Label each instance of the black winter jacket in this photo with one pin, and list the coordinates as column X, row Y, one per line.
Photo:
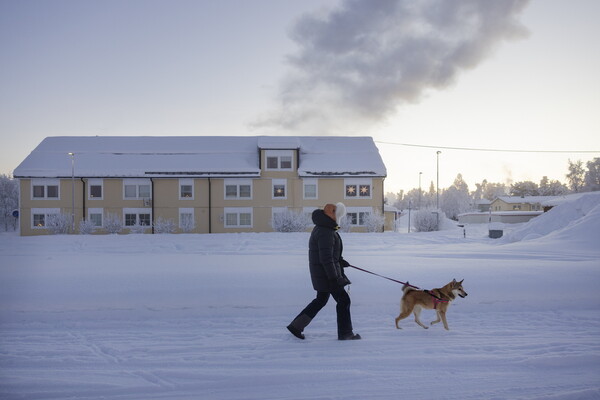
column 325, row 253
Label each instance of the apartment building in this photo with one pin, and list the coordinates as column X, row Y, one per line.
column 202, row 184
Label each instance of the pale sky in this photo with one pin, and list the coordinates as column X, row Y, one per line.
column 286, row 67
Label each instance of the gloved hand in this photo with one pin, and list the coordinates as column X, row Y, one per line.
column 344, row 263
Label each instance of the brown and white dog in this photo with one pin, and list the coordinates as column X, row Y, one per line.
column 414, row 300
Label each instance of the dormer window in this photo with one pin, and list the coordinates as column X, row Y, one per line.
column 280, row 160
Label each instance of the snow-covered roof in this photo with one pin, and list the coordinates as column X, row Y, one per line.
column 196, row 156
column 525, row 200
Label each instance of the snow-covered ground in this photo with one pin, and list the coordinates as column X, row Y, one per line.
column 204, row 316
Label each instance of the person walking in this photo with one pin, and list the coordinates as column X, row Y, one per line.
column 327, row 273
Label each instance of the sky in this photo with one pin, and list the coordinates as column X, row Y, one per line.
column 435, row 75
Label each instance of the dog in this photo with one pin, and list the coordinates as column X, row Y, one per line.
column 414, row 300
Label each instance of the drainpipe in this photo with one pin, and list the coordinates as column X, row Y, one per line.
column 152, row 202
column 209, row 206
column 383, row 205
column 83, row 199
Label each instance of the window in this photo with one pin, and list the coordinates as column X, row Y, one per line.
column 279, row 188
column 95, row 189
column 186, row 189
column 238, row 189
column 96, row 216
column 45, row 189
column 357, row 216
column 238, row 218
column 136, row 189
column 137, row 217
column 310, row 189
column 186, row 219
column 39, row 216
column 357, row 188
column 279, row 159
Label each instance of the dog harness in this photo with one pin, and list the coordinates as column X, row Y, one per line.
column 436, row 300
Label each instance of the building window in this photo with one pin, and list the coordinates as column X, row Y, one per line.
column 357, row 216
column 238, row 189
column 40, row 216
column 95, row 189
column 358, row 188
column 136, row 189
column 96, row 216
column 279, row 159
column 238, row 217
column 279, row 187
column 310, row 189
column 186, row 189
column 187, row 222
column 45, row 189
column 137, row 217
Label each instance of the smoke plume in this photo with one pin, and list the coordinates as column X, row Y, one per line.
column 362, row 60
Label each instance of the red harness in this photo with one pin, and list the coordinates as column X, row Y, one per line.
column 436, row 300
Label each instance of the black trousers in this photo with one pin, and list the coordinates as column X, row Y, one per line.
column 344, row 320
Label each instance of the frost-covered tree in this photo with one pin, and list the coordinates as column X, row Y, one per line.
column 425, row 221
column 86, row 227
column 576, row 175
column 374, row 222
column 552, row 188
column 290, row 221
column 9, row 201
column 163, row 225
column 525, row 188
column 456, row 199
column 59, row 224
column 113, row 224
column 592, row 175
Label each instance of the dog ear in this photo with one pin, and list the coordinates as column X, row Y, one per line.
column 461, row 282
column 453, row 280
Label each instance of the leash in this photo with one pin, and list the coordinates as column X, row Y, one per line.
column 384, row 277
column 435, row 302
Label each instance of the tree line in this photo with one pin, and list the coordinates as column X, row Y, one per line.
column 458, row 199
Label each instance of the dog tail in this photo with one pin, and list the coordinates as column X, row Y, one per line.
column 406, row 287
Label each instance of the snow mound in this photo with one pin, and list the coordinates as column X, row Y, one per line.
column 576, row 221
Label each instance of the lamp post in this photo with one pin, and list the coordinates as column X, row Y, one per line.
column 419, row 205
column 72, row 192
column 437, row 202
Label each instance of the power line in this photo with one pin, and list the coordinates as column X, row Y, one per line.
column 482, row 149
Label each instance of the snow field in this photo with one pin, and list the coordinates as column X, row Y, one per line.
column 204, row 316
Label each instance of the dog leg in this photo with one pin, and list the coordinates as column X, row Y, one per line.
column 405, row 312
column 438, row 318
column 417, row 312
column 443, row 315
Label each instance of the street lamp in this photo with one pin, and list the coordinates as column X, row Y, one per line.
column 72, row 192
column 437, row 203
column 419, row 205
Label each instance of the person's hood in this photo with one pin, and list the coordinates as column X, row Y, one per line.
column 320, row 219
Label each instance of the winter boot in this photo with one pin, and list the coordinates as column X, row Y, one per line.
column 298, row 325
column 350, row 336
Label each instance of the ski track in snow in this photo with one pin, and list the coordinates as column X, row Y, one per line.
column 204, row 316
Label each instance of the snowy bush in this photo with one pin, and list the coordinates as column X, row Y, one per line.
column 290, row 221
column 113, row 224
column 374, row 222
column 163, row 225
column 86, row 227
column 425, row 221
column 59, row 224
